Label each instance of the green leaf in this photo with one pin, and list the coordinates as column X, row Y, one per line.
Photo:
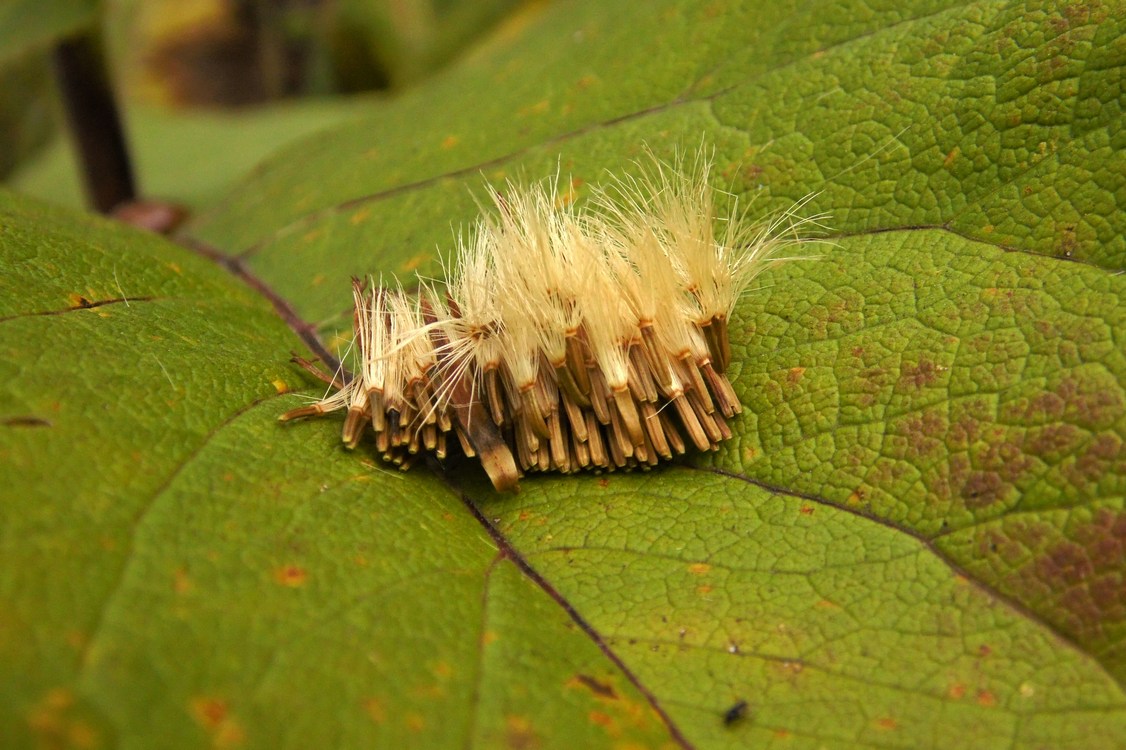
column 916, row 538
column 168, row 541
column 187, row 157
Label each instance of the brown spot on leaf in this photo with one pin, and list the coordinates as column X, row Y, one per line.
column 920, row 374
column 181, row 581
column 986, row 699
column 923, row 433
column 1093, row 403
column 518, row 733
column 58, row 699
column 1084, row 573
column 875, row 378
column 751, row 173
column 373, row 707
column 806, row 510
column 427, row 692
column 1103, row 456
column 1044, row 406
column 994, row 543
column 53, row 723
column 209, row 712
column 965, row 427
column 957, row 691
column 291, row 575
column 214, row 716
column 794, row 375
column 414, row 262
column 1105, row 537
column 1006, row 458
column 1052, row 440
column 77, row 639
column 598, row 687
column 699, row 569
column 1065, row 564
column 887, row 723
column 982, row 489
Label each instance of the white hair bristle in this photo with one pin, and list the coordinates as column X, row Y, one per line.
column 565, row 339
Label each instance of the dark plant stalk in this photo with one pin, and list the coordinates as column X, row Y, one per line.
column 94, row 120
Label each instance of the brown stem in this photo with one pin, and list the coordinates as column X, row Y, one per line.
column 94, row 121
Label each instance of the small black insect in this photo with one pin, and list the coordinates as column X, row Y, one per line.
column 735, row 714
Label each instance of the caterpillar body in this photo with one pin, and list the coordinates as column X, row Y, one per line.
column 564, row 339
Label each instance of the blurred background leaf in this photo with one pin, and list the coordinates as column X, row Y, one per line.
column 30, row 25
column 178, row 64
column 28, row 30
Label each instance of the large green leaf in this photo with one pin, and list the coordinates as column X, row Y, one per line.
column 175, row 566
column 915, row 540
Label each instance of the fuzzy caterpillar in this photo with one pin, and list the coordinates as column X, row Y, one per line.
column 564, row 339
